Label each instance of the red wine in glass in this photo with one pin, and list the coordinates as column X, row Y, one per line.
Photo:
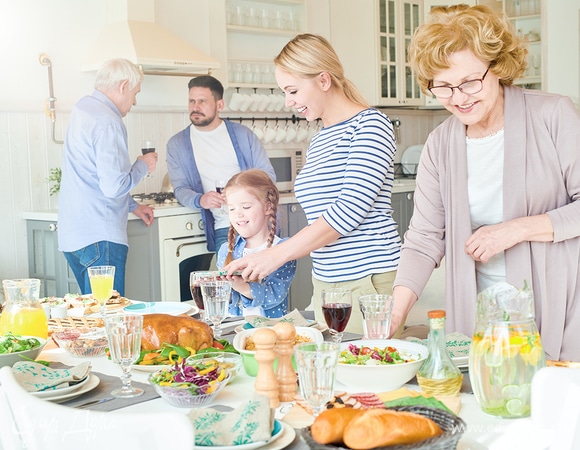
column 337, row 315
column 148, row 147
column 196, row 295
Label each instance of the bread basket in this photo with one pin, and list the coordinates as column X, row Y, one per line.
column 453, row 428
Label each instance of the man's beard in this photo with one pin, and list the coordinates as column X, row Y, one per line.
column 201, row 121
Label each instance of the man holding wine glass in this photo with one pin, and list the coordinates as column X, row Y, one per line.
column 97, row 176
column 209, row 150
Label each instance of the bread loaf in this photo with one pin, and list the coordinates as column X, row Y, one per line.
column 329, row 426
column 383, row 427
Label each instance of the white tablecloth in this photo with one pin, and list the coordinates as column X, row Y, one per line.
column 483, row 431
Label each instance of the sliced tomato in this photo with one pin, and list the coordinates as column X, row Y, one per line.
column 216, row 344
column 366, row 350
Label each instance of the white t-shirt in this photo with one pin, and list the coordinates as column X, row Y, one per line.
column 216, row 160
column 485, row 188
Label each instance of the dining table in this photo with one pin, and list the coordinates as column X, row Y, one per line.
column 482, row 431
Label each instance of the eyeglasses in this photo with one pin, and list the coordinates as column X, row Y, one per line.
column 468, row 87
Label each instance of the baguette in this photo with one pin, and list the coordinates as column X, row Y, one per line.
column 383, row 427
column 329, row 426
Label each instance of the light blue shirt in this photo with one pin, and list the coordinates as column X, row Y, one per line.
column 271, row 294
column 97, row 176
column 347, row 179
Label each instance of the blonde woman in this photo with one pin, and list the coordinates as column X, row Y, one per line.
column 498, row 182
column 344, row 186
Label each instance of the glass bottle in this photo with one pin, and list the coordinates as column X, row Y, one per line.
column 22, row 313
column 438, row 375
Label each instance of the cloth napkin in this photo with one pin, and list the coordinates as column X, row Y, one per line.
column 294, row 317
column 35, row 377
column 252, row 421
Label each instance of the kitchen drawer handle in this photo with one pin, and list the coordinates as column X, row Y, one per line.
column 180, row 246
column 52, row 227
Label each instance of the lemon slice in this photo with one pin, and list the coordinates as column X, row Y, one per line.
column 510, row 391
column 515, row 407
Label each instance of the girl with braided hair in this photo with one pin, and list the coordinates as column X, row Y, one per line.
column 252, row 201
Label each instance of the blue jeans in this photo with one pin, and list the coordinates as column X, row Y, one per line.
column 221, row 236
column 101, row 253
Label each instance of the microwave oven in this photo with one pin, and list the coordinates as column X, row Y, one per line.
column 287, row 164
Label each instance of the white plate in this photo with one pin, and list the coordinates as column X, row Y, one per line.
column 58, row 392
column 150, row 369
column 172, row 308
column 410, row 159
column 89, row 386
column 250, row 446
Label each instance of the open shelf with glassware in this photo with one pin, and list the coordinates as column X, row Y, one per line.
column 526, row 17
column 273, row 23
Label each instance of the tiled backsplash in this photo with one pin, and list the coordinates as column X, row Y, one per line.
column 28, row 154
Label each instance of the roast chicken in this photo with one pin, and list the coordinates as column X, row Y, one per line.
column 184, row 331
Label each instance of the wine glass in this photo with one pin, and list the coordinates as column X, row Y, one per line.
column 124, row 337
column 101, row 279
column 219, row 188
column 316, row 364
column 148, row 147
column 336, row 307
column 216, row 299
column 195, row 278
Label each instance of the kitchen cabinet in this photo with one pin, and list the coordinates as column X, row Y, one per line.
column 142, row 271
column 371, row 38
column 402, row 203
column 46, row 262
column 256, row 32
column 292, row 220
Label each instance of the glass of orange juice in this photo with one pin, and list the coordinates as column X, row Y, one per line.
column 101, row 278
column 22, row 313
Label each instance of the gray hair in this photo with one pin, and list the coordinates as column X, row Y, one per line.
column 113, row 71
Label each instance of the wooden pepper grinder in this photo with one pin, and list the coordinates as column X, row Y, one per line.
column 266, row 382
column 287, row 385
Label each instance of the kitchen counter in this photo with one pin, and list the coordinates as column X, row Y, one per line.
column 52, row 214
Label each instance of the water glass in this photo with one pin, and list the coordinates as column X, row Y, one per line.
column 124, row 337
column 216, row 299
column 336, row 308
column 316, row 364
column 376, row 313
column 195, row 279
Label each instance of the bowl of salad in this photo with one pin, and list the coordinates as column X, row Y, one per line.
column 14, row 348
column 378, row 365
column 191, row 384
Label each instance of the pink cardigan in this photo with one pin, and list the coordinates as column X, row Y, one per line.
column 541, row 175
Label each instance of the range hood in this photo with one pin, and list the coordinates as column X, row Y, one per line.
column 143, row 42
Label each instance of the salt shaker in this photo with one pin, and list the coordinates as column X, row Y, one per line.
column 285, row 373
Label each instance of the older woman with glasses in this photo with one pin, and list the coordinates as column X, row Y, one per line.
column 498, row 182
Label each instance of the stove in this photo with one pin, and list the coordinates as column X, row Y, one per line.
column 157, row 199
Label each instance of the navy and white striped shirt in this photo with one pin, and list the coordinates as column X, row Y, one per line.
column 347, row 178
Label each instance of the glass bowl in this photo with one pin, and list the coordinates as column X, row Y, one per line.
column 186, row 395
column 82, row 342
column 231, row 362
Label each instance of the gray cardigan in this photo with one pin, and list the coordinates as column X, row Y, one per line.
column 541, row 175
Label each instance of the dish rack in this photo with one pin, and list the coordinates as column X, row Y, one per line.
column 409, row 172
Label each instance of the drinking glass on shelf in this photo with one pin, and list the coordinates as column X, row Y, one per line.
column 316, row 364
column 148, row 147
column 101, row 279
column 216, row 299
column 124, row 338
column 219, row 188
column 195, row 278
column 336, row 307
column 536, row 64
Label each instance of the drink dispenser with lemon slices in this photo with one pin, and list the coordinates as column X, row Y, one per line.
column 506, row 350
